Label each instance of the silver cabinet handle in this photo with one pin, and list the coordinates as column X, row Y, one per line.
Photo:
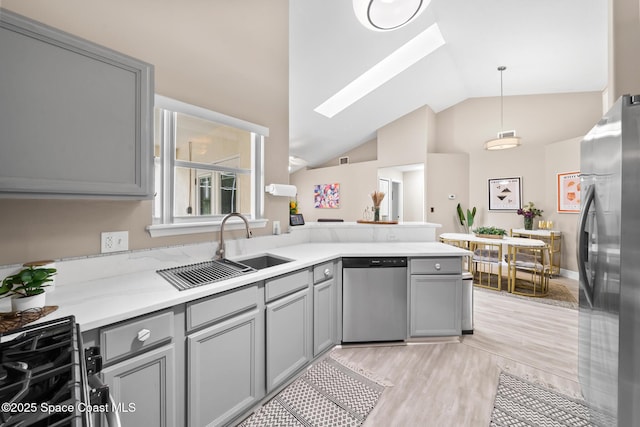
column 327, row 272
column 437, row 266
column 143, row 335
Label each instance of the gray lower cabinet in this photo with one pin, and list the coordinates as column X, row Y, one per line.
column 222, row 370
column 435, row 296
column 324, row 316
column 143, row 387
column 141, row 358
column 436, row 305
column 225, row 359
column 325, row 308
column 289, row 328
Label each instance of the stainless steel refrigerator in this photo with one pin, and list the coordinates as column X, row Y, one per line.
column 609, row 266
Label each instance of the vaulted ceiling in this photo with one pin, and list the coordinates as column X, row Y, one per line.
column 548, row 46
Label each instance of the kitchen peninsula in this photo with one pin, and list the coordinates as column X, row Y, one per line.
column 270, row 323
column 127, row 285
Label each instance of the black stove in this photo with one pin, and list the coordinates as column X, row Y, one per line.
column 44, row 376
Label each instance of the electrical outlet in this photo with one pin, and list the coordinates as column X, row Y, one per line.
column 114, row 241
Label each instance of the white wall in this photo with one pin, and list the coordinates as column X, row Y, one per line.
column 560, row 158
column 624, row 39
column 413, row 197
column 448, row 174
column 357, row 181
column 401, row 142
column 538, row 119
column 366, row 152
column 404, row 141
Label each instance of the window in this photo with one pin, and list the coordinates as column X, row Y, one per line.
column 206, row 166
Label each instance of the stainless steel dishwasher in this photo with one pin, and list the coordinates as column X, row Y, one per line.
column 374, row 299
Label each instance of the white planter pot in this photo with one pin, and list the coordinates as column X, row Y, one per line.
column 26, row 303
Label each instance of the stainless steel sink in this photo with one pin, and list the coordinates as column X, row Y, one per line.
column 263, row 261
column 203, row 273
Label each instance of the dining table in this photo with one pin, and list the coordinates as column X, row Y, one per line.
column 515, row 257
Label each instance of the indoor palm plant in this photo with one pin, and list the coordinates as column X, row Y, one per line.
column 466, row 222
column 27, row 287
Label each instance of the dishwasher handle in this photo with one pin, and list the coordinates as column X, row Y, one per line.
column 374, row 262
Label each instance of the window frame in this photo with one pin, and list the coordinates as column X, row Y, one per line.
column 166, row 223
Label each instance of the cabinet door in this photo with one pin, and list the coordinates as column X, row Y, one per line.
column 325, row 333
column 80, row 120
column 224, row 366
column 143, row 387
column 289, row 336
column 436, row 305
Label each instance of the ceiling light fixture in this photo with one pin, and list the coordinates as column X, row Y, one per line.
column 506, row 139
column 398, row 61
column 386, row 15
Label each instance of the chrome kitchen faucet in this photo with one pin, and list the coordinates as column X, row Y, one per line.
column 220, row 253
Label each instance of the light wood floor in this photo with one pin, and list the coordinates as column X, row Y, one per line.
column 453, row 382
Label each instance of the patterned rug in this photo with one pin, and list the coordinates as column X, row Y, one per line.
column 559, row 295
column 328, row 394
column 521, row 403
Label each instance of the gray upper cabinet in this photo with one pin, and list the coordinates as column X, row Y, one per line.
column 76, row 118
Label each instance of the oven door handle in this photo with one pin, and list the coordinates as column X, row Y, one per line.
column 113, row 418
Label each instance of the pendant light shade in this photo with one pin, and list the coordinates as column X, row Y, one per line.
column 505, row 140
column 502, row 143
column 385, row 15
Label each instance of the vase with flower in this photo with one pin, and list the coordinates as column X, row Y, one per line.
column 529, row 212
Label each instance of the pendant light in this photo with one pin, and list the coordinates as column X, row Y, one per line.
column 386, row 15
column 506, row 139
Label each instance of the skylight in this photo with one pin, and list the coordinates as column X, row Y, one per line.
column 405, row 56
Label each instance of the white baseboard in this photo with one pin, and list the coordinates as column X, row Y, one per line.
column 569, row 274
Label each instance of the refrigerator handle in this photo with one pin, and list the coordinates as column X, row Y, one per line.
column 583, row 245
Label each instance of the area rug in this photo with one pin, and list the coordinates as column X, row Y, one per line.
column 328, row 394
column 559, row 295
column 521, row 403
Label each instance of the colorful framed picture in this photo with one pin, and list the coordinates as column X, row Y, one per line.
column 569, row 192
column 326, row 196
column 505, row 194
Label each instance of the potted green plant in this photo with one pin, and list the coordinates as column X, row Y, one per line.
column 467, row 222
column 27, row 287
column 490, row 232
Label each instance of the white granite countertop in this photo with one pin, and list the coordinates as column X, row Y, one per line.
column 131, row 287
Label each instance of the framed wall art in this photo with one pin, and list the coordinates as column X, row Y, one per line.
column 569, row 192
column 326, row 196
column 505, row 194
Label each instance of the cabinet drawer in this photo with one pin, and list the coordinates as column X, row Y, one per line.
column 323, row 272
column 440, row 265
column 127, row 339
column 284, row 285
column 213, row 309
